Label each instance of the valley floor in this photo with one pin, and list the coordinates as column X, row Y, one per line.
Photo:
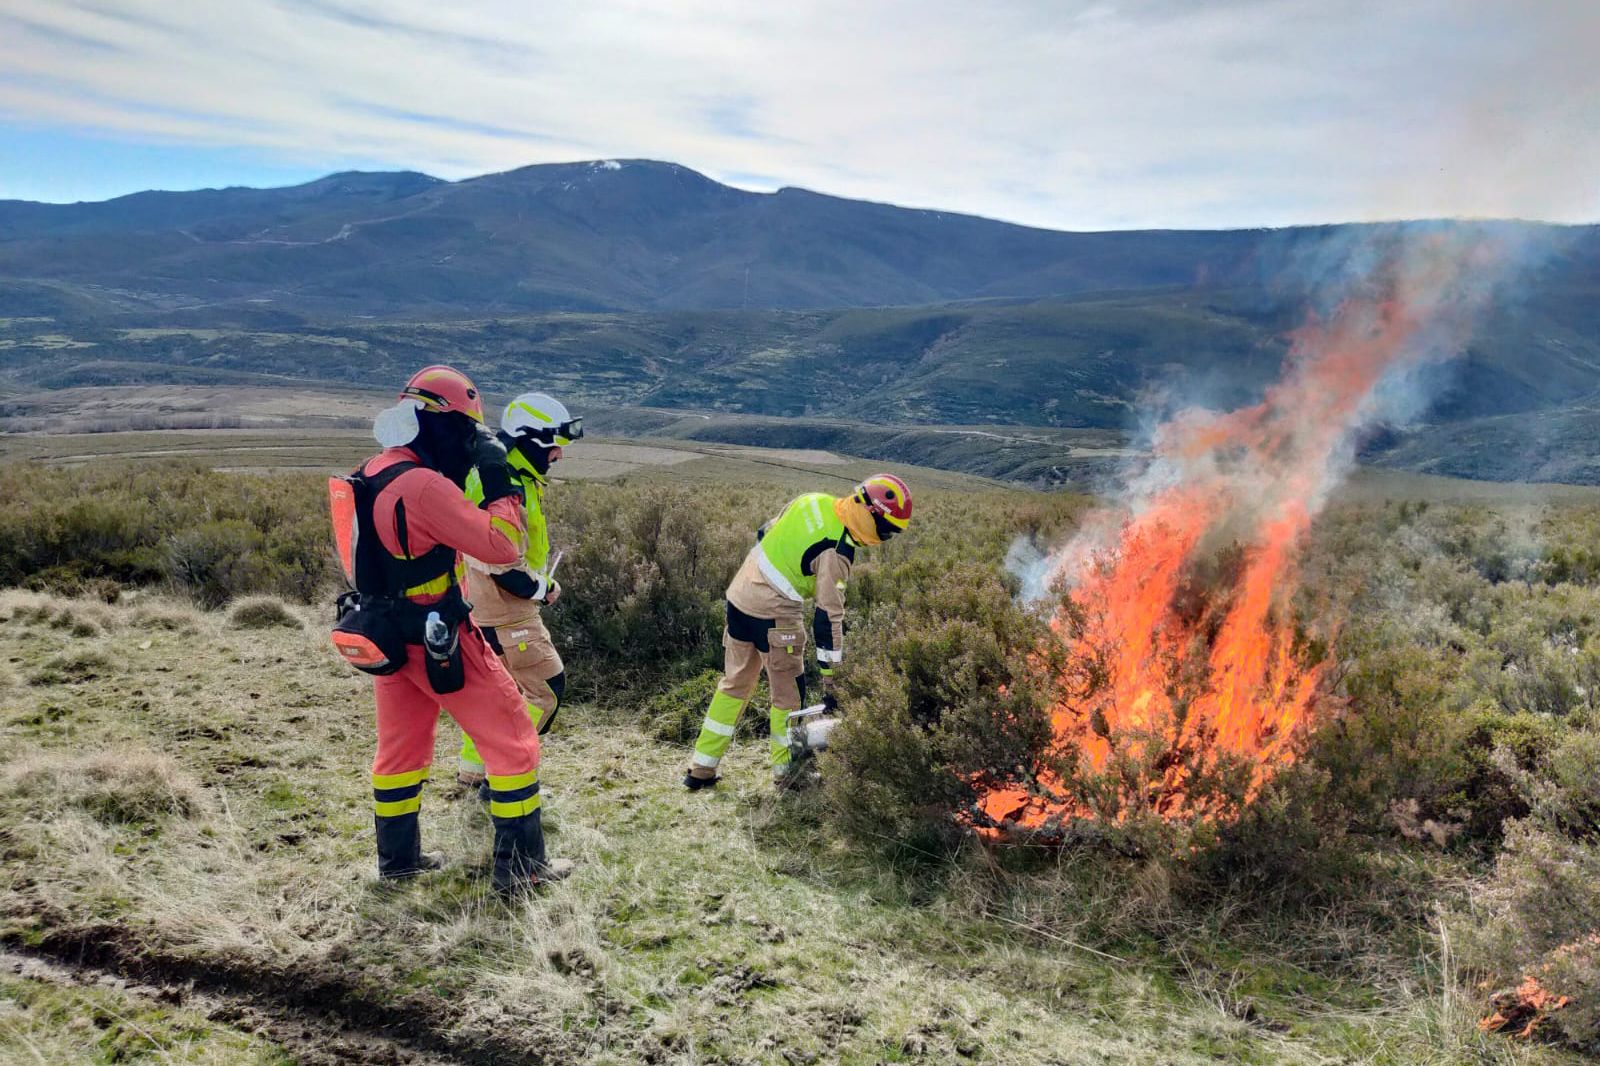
column 186, row 876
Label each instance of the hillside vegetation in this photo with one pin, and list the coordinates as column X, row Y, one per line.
column 185, row 805
column 635, row 283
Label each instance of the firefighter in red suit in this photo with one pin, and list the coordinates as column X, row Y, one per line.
column 410, row 496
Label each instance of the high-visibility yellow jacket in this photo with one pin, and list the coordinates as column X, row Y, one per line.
column 803, row 553
column 514, row 596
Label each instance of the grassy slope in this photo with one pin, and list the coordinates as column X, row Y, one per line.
column 194, row 794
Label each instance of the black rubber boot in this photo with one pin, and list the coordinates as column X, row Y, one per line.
column 518, row 853
column 695, row 784
column 400, row 854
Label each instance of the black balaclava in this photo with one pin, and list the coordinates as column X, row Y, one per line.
column 537, row 454
column 444, row 443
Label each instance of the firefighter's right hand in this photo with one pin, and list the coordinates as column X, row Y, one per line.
column 494, row 470
column 554, row 592
column 830, row 694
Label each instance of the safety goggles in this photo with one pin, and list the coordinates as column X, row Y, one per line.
column 571, row 430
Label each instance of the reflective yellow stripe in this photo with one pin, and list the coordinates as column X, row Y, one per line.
column 534, row 411
column 506, row 784
column 438, row 586
column 509, row 528
column 410, row 777
column 398, row 807
column 514, row 809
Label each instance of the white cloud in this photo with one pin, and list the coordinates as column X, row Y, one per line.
column 1077, row 115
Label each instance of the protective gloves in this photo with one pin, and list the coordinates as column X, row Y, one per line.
column 494, row 471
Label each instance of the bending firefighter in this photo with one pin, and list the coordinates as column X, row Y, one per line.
column 506, row 599
column 400, row 521
column 805, row 552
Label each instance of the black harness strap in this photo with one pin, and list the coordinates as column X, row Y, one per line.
column 378, row 573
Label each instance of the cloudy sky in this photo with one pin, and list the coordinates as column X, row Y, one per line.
column 1066, row 113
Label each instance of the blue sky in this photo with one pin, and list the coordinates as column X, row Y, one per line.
column 1077, row 114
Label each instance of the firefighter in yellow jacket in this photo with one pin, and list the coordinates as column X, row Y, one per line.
column 506, row 600
column 805, row 552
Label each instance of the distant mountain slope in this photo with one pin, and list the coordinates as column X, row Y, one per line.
column 643, row 283
column 631, row 235
column 1093, row 361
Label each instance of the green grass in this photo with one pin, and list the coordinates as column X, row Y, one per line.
column 698, row 928
column 48, row 1019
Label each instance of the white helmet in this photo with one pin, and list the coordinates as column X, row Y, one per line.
column 542, row 418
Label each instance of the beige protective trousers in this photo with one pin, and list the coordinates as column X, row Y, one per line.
column 530, row 657
column 783, row 659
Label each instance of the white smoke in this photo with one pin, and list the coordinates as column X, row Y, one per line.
column 1384, row 304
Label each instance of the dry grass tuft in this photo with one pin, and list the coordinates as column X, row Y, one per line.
column 116, row 788
column 72, row 667
column 263, row 612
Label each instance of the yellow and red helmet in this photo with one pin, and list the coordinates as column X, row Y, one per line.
column 444, row 389
column 889, row 501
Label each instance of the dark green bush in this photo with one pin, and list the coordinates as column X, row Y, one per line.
column 642, row 582
column 674, row 715
column 92, row 530
column 943, row 695
column 1538, row 913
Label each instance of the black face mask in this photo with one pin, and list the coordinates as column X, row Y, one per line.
column 537, row 454
column 444, row 443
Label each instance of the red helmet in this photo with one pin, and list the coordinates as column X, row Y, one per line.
column 444, row 389
column 887, row 497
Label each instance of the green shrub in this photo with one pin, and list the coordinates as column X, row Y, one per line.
column 673, row 716
column 1538, row 913
column 943, row 695
column 95, row 529
column 642, row 581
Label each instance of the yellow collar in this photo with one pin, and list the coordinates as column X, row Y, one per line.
column 857, row 520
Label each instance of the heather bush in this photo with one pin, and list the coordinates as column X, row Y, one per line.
column 92, row 530
column 1538, row 912
column 642, row 577
column 945, row 694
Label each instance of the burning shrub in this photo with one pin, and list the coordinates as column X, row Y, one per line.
column 946, row 693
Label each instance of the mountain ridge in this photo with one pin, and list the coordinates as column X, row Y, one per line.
column 628, row 282
column 602, row 235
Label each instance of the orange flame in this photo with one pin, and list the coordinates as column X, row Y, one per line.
column 1183, row 598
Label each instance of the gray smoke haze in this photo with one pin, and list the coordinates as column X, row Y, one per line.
column 1385, row 304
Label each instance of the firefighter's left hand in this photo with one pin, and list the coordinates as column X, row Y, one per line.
column 554, row 594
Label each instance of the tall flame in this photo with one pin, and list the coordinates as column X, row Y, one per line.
column 1181, row 594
